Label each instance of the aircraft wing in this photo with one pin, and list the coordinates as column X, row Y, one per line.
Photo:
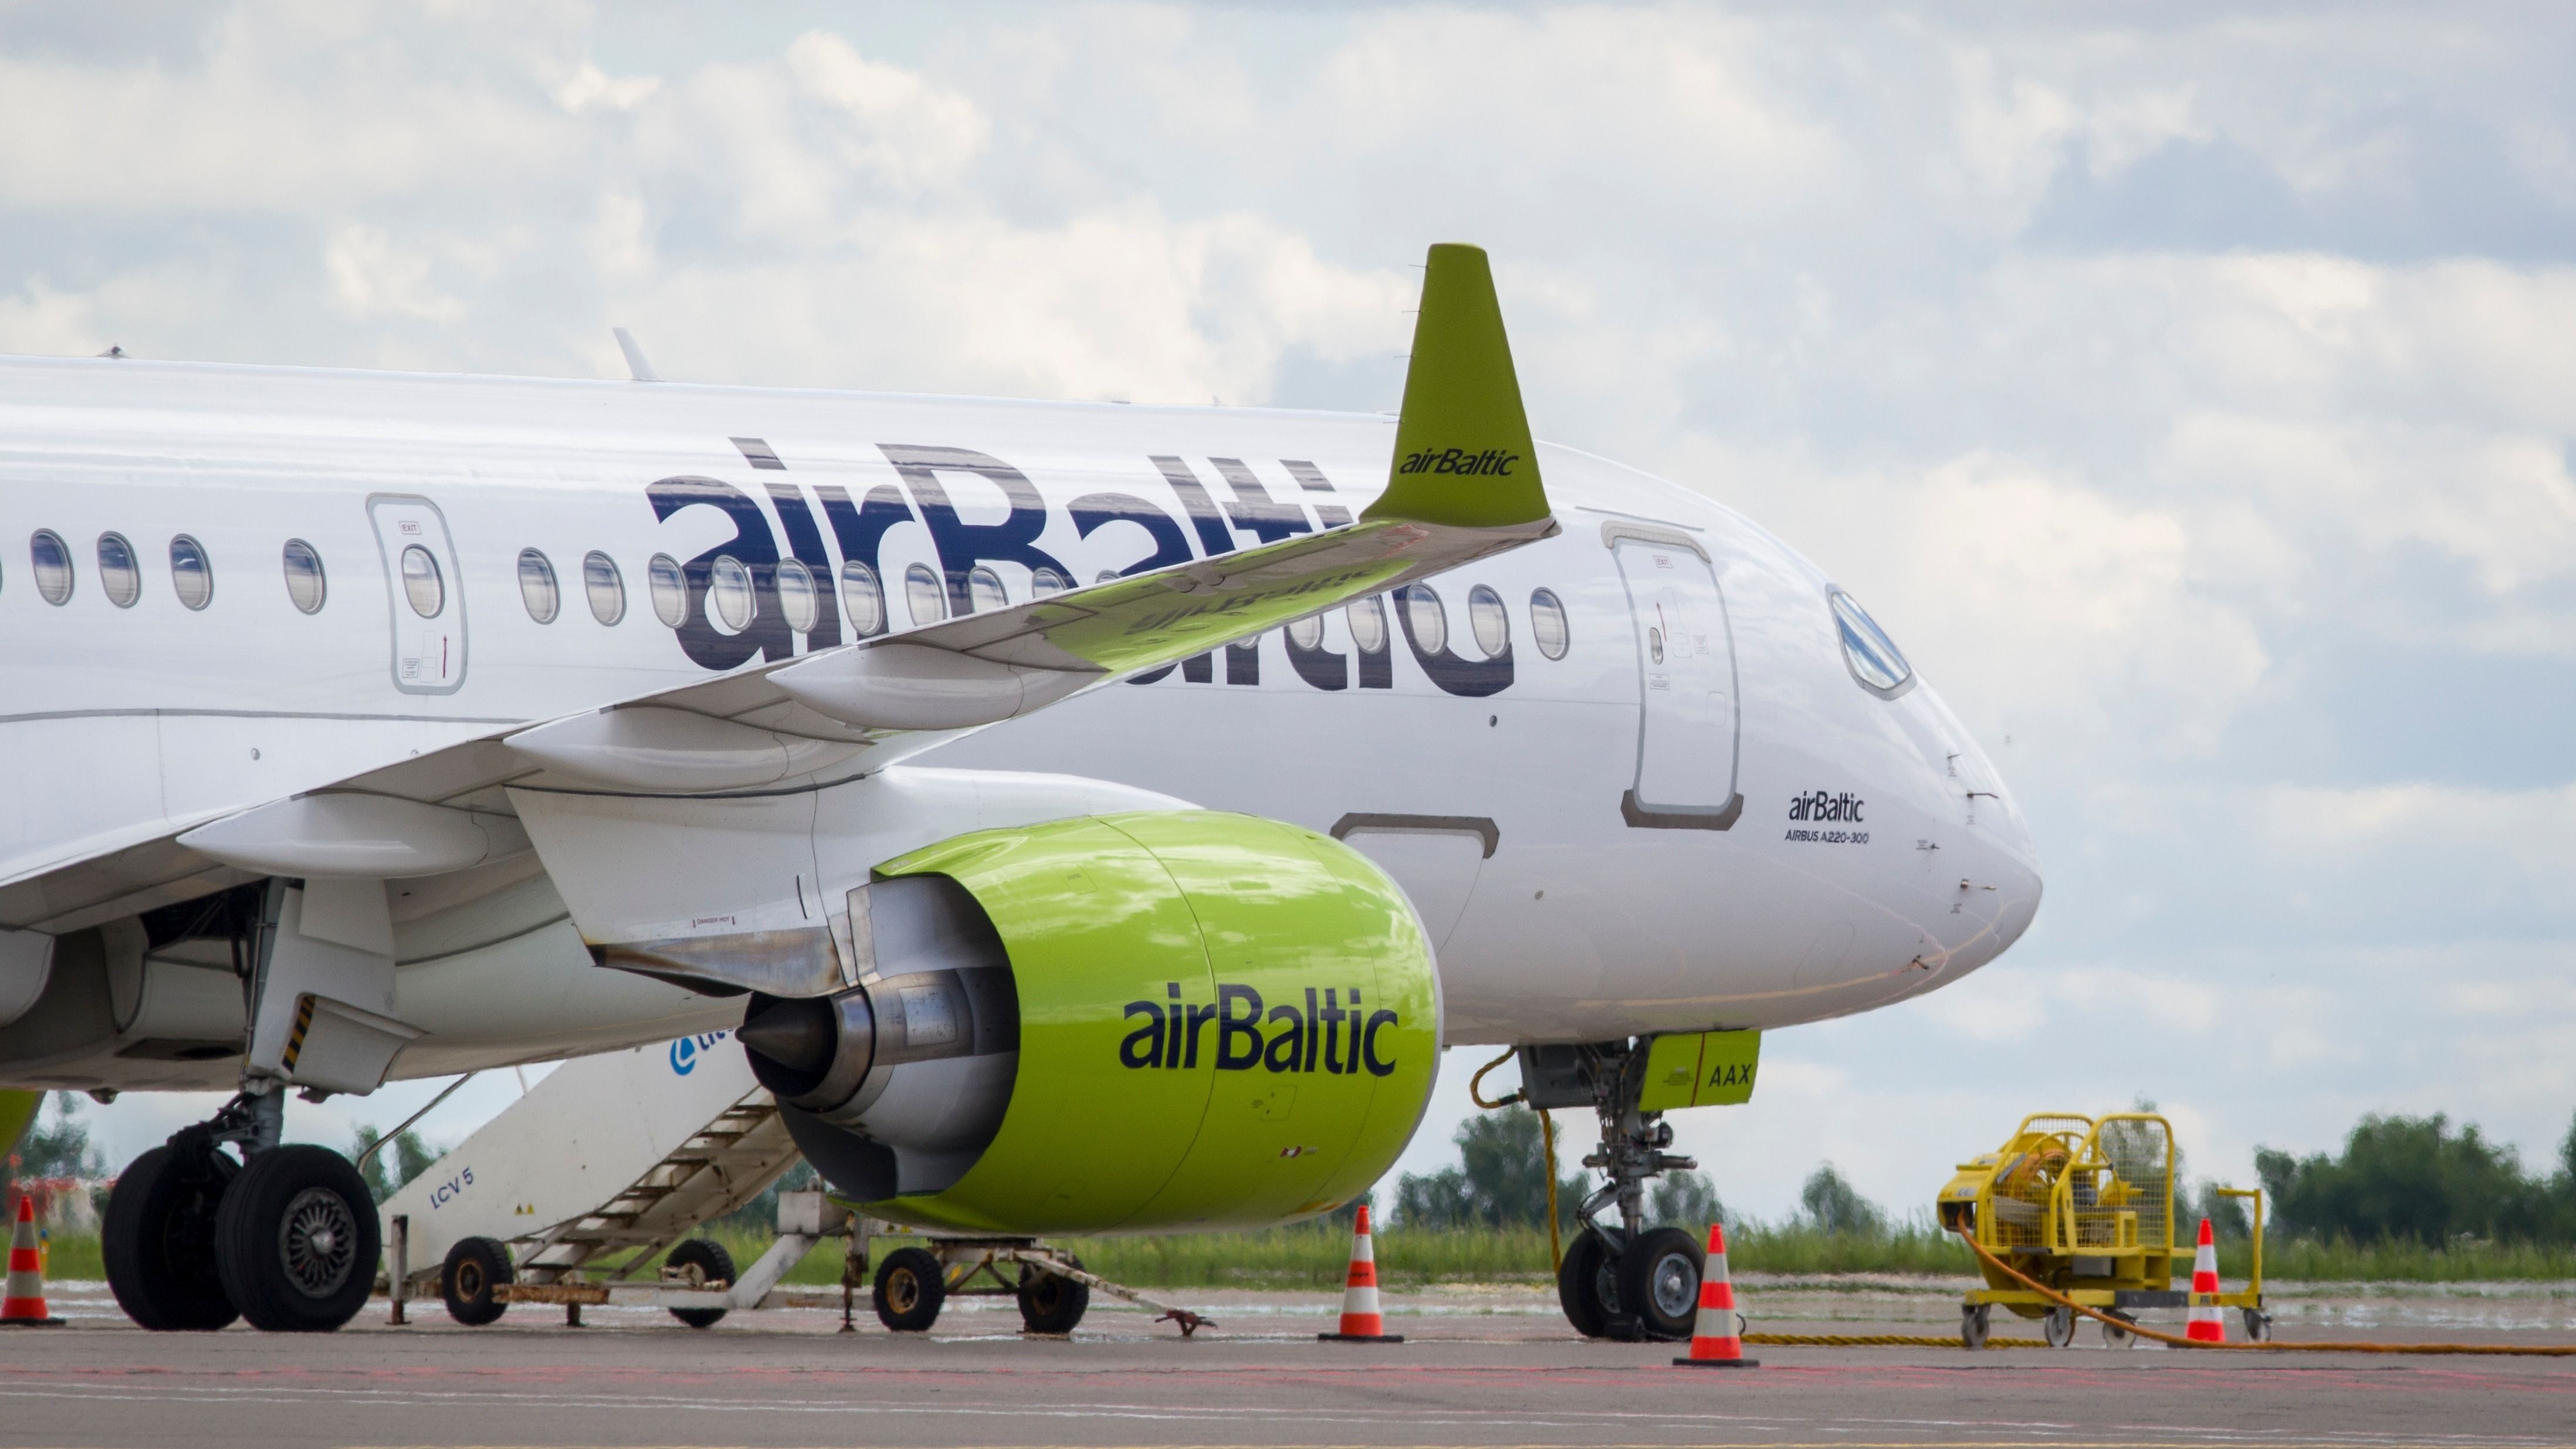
column 1464, row 485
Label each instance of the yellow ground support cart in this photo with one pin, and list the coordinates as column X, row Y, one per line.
column 2085, row 1206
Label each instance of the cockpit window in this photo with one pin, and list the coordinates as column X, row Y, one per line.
column 1873, row 657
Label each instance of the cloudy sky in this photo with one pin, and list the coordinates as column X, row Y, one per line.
column 2188, row 388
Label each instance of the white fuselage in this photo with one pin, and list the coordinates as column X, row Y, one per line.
column 1874, row 852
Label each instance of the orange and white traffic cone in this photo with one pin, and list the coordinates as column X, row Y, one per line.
column 1361, row 1320
column 1715, row 1342
column 2208, row 1322
column 22, row 1304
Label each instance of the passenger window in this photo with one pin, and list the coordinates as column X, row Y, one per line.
column 192, row 574
column 729, row 590
column 1871, row 655
column 605, row 586
column 53, row 566
column 1368, row 623
column 422, row 585
column 1424, row 618
column 1307, row 633
column 119, row 574
column 670, row 590
column 1548, row 624
column 537, row 587
column 922, row 596
column 796, row 600
column 1046, row 583
column 1493, row 627
column 304, row 582
column 984, row 590
column 864, row 597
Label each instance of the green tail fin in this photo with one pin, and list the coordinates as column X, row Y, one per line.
column 1463, row 455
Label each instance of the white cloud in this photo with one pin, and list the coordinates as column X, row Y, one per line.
column 590, row 86
column 371, row 277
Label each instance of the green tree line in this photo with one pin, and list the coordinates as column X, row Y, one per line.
column 2420, row 1180
column 2411, row 1180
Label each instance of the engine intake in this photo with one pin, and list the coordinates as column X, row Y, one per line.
column 1164, row 1019
column 918, row 1059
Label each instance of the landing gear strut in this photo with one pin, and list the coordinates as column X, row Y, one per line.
column 285, row 1237
column 1619, row 1280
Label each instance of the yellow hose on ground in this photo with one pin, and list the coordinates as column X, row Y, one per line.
column 2519, row 1350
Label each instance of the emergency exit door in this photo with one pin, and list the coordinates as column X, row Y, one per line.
column 426, row 594
column 1687, row 728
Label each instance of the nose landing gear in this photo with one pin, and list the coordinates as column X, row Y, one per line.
column 1622, row 1281
column 285, row 1237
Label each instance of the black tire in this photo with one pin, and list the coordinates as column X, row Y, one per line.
column 911, row 1289
column 1976, row 1322
column 2258, row 1325
column 159, row 1239
column 1659, row 1277
column 296, row 1240
column 714, row 1265
column 2058, row 1327
column 475, row 1269
column 1587, row 1284
column 1052, row 1304
column 2119, row 1335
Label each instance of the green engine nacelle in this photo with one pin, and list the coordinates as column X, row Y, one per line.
column 1222, row 1022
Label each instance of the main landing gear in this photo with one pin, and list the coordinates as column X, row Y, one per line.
column 1620, row 1280
column 282, row 1236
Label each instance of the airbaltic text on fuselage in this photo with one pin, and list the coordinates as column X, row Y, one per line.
column 1491, row 463
column 1311, row 1038
column 1818, row 805
column 797, row 522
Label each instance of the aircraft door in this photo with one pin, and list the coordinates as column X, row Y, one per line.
column 426, row 594
column 1687, row 727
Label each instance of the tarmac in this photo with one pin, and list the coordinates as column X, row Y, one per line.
column 1480, row 1366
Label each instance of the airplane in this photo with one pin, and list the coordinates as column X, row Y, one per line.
column 1088, row 817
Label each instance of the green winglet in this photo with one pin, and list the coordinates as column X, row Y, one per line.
column 1462, row 444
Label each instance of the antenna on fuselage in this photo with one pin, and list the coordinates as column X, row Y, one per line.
column 636, row 366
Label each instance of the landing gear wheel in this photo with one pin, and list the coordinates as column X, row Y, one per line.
column 2258, row 1325
column 159, row 1239
column 2118, row 1336
column 1976, row 1321
column 714, row 1265
column 296, row 1240
column 2058, row 1326
column 1659, row 1275
column 911, row 1287
column 1050, row 1303
column 470, row 1280
column 1587, row 1284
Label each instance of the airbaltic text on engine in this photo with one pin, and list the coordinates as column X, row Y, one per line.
column 1306, row 1039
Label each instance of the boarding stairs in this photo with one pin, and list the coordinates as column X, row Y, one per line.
column 722, row 1166
column 621, row 1153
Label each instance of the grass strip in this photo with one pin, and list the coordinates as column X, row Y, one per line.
column 1310, row 1257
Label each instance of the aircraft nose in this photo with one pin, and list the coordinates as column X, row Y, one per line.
column 2019, row 889
column 2010, row 863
